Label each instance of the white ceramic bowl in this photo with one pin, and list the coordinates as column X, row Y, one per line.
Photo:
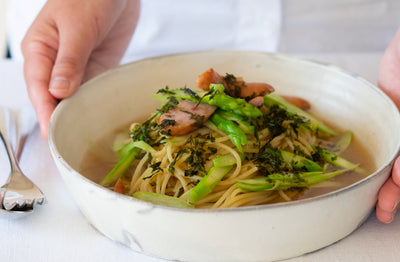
column 259, row 233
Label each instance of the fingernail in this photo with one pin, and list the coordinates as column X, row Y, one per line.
column 60, row 85
column 395, row 206
column 390, row 219
column 43, row 131
column 392, row 216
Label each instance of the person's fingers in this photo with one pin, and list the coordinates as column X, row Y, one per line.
column 38, row 62
column 389, row 196
column 75, row 46
column 396, row 172
column 389, row 70
column 60, row 42
column 37, row 79
column 55, row 58
column 388, row 199
column 389, row 82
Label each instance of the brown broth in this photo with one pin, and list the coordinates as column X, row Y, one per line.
column 100, row 159
column 355, row 153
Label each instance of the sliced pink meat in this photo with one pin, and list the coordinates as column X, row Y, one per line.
column 298, row 101
column 251, row 90
column 209, row 77
column 186, row 117
column 119, row 187
column 257, row 101
column 235, row 88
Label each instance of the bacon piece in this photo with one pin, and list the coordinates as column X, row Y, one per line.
column 257, row 101
column 301, row 103
column 186, row 117
column 251, row 90
column 236, row 88
column 297, row 101
column 209, row 77
column 119, row 187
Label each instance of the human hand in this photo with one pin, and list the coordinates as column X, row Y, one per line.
column 389, row 82
column 70, row 42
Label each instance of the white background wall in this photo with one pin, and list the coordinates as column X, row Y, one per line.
column 3, row 43
column 315, row 26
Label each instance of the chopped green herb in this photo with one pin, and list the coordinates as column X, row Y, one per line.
column 167, row 122
column 171, row 167
column 171, row 103
column 180, row 192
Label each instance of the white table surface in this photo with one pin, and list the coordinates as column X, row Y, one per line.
column 58, row 231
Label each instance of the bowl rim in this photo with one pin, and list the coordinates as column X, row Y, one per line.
column 278, row 55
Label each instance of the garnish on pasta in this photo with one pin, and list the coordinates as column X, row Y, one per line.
column 229, row 143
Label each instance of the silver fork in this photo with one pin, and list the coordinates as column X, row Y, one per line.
column 19, row 192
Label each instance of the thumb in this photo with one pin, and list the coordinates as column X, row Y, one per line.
column 69, row 67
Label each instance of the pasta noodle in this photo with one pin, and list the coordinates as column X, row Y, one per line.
column 225, row 193
column 213, row 149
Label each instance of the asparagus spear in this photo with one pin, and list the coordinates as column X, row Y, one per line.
column 279, row 181
column 343, row 143
column 297, row 161
column 341, row 162
column 215, row 97
column 139, row 144
column 121, row 166
column 208, row 182
column 129, row 153
column 211, row 179
column 161, row 199
column 274, row 99
column 238, row 119
column 237, row 136
column 228, row 103
column 224, row 160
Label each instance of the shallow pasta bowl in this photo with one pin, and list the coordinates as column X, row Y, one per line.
column 259, row 233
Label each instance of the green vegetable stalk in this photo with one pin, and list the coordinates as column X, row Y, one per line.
column 215, row 97
column 224, row 160
column 238, row 119
column 341, row 162
column 121, row 166
column 211, row 179
column 343, row 142
column 129, row 153
column 274, row 99
column 283, row 181
column 297, row 161
column 161, row 199
column 237, row 136
column 225, row 102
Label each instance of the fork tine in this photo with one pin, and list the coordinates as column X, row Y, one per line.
column 19, row 191
column 40, row 201
column 9, row 205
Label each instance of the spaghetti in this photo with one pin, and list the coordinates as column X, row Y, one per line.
column 231, row 154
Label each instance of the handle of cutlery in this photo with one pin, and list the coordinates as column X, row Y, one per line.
column 7, row 134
